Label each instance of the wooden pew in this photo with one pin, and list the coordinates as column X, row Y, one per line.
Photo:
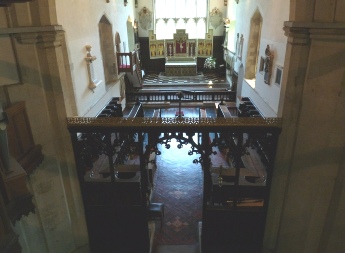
column 227, row 110
column 156, row 113
column 136, row 111
column 202, row 113
column 223, row 111
column 112, row 109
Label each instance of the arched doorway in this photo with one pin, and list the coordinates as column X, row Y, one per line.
column 253, row 45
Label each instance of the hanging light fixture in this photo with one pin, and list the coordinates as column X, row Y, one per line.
column 125, row 2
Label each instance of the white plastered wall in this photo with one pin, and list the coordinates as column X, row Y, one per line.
column 80, row 22
column 219, row 4
column 265, row 96
column 55, row 85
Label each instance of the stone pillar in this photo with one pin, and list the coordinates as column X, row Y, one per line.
column 9, row 239
column 52, row 64
column 59, row 225
column 307, row 194
column 4, row 151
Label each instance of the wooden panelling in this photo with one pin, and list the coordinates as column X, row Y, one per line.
column 149, row 65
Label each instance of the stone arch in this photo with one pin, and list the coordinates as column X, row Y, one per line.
column 108, row 52
column 253, row 45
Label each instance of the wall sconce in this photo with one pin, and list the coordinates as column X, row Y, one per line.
column 93, row 82
column 125, row 2
column 89, row 58
column 136, row 3
column 226, row 21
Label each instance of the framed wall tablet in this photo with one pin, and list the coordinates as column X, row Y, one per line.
column 279, row 75
column 262, row 65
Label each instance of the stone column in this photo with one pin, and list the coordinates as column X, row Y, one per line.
column 306, row 195
column 292, row 89
column 9, row 239
column 4, row 151
column 54, row 183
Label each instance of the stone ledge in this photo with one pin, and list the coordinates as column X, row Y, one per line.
column 31, row 29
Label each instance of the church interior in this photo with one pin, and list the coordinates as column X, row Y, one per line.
column 157, row 126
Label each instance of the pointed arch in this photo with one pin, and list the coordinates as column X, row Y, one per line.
column 253, row 45
column 107, row 48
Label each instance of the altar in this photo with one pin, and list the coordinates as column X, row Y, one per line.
column 181, row 53
column 180, row 67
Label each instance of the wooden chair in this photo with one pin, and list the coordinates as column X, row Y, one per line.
column 156, row 210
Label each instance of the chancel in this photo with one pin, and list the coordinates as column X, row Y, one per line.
column 139, row 146
column 180, row 53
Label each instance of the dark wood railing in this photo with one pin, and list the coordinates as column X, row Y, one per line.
column 188, row 96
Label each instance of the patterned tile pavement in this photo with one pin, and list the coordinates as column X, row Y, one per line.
column 178, row 184
column 202, row 79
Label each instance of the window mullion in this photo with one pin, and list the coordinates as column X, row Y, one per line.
column 181, row 12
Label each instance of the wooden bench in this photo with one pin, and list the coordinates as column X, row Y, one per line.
column 202, row 113
column 136, row 111
column 245, row 172
column 252, row 161
column 156, row 113
column 223, row 112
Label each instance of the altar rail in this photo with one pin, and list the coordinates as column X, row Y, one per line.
column 188, row 96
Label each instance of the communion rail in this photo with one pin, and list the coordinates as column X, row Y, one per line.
column 188, row 96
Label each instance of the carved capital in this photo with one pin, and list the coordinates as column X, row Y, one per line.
column 50, row 39
column 43, row 39
column 47, row 35
column 26, row 38
column 303, row 32
column 297, row 35
column 329, row 34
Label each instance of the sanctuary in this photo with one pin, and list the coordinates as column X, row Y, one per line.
column 181, row 53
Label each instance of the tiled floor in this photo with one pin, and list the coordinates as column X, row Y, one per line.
column 174, row 162
column 161, row 78
column 177, row 249
column 178, row 184
column 201, row 81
